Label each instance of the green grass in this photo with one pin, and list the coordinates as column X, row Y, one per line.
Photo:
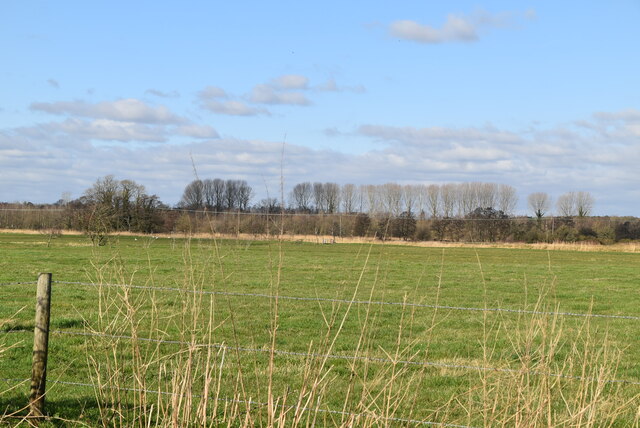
column 566, row 281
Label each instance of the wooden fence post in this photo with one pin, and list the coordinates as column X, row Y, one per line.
column 40, row 346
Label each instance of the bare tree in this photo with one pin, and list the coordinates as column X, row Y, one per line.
column 391, row 198
column 486, row 195
column 507, row 199
column 348, row 197
column 244, row 195
column 361, row 202
column 584, row 203
column 448, row 197
column 373, row 199
column 231, row 194
column 65, row 198
column 410, row 197
column 208, row 193
column 421, row 200
column 539, row 203
column 319, row 197
column 218, row 194
column 193, row 195
column 566, row 204
column 121, row 205
column 433, row 200
column 127, row 197
column 268, row 206
column 467, row 198
column 332, row 196
column 301, row 196
column 103, row 191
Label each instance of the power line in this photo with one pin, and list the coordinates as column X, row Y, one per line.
column 358, row 302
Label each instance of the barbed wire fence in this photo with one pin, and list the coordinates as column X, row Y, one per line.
column 259, row 404
column 331, row 300
column 14, row 382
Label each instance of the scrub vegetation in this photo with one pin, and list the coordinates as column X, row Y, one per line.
column 454, row 212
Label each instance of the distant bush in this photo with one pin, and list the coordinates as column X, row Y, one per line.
column 423, row 233
column 627, row 231
column 403, row 226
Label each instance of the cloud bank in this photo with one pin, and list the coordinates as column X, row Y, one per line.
column 63, row 157
column 129, row 109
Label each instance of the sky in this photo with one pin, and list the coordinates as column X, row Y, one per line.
column 540, row 95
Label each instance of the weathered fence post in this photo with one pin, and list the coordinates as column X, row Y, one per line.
column 40, row 346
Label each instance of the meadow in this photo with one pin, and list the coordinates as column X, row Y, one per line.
column 182, row 331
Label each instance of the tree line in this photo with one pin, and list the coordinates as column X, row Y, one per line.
column 449, row 200
column 217, row 195
column 473, row 211
column 426, row 201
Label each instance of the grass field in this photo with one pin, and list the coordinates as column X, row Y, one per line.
column 349, row 353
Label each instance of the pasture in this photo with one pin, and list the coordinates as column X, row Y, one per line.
column 263, row 333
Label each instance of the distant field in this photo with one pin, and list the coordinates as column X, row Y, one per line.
column 345, row 345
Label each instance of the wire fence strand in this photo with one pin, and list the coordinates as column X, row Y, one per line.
column 258, row 403
column 338, row 357
column 346, row 357
column 358, row 302
column 9, row 284
column 286, row 213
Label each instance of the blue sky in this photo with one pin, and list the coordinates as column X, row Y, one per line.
column 541, row 95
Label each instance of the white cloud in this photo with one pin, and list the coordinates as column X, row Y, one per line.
column 210, row 92
column 436, row 135
column 197, row 131
column 233, row 108
column 291, row 81
column 108, row 130
column 332, row 132
column 330, row 85
column 126, row 120
column 216, row 100
column 456, row 28
column 287, row 89
column 628, row 115
column 265, row 94
column 76, row 132
column 623, row 125
column 552, row 160
column 61, row 157
column 162, row 94
column 129, row 110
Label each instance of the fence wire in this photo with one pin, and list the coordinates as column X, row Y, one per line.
column 8, row 284
column 286, row 213
column 358, row 302
column 259, row 404
column 344, row 357
column 336, row 356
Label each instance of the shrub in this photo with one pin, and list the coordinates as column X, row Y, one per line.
column 423, row 233
column 362, row 225
column 403, row 226
column 627, row 231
